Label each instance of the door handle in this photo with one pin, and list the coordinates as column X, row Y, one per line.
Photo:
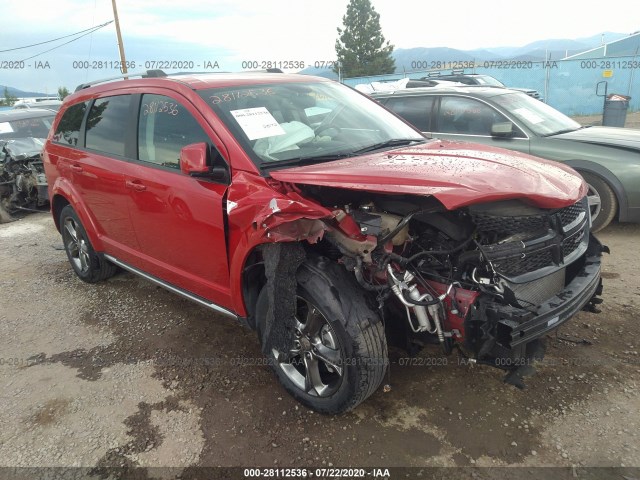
column 75, row 168
column 135, row 185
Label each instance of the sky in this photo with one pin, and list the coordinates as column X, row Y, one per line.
column 232, row 32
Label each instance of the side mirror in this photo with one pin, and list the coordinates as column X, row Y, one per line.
column 194, row 161
column 502, row 129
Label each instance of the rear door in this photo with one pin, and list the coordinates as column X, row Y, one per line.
column 417, row 110
column 93, row 163
column 178, row 219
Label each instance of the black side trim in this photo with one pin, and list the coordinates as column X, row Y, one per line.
column 172, row 288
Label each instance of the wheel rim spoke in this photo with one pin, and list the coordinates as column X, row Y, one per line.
column 594, row 201
column 299, row 326
column 312, row 379
column 73, row 248
column 83, row 256
column 313, row 323
column 70, row 227
column 329, row 356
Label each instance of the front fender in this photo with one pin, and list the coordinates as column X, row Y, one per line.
column 258, row 212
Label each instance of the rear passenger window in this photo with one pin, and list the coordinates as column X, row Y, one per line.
column 164, row 127
column 106, row 124
column 415, row 110
column 68, row 130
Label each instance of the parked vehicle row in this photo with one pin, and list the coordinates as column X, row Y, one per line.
column 479, row 79
column 23, row 185
column 608, row 158
column 323, row 221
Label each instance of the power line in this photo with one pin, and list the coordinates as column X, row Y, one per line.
column 59, row 38
column 65, row 43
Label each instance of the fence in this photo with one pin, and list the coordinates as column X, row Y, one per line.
column 566, row 85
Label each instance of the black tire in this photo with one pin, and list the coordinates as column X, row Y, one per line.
column 88, row 265
column 608, row 202
column 353, row 328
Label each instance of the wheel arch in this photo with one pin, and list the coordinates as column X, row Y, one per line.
column 253, row 278
column 609, row 178
column 64, row 194
column 58, row 202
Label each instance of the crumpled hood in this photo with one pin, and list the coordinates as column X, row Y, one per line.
column 456, row 173
column 610, row 136
column 23, row 148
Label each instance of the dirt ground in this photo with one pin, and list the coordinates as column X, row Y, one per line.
column 125, row 373
column 632, row 121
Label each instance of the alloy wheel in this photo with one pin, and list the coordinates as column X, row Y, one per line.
column 76, row 245
column 315, row 362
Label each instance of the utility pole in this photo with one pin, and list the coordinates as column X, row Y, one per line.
column 123, row 63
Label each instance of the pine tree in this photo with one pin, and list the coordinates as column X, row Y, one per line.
column 63, row 92
column 361, row 47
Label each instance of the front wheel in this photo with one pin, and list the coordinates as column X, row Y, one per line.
column 602, row 201
column 337, row 352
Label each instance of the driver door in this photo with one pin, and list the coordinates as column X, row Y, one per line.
column 470, row 120
column 178, row 219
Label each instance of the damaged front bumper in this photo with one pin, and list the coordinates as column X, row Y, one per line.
column 519, row 326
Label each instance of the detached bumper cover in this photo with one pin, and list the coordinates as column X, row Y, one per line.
column 516, row 326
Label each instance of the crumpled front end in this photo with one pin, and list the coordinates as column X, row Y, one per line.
column 23, row 184
column 488, row 279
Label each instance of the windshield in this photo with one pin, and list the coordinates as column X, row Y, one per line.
column 26, row 127
column 487, row 80
column 309, row 122
column 539, row 117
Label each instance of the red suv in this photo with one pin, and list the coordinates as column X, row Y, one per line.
column 323, row 221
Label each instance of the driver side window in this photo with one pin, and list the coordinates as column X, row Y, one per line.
column 164, row 127
column 466, row 116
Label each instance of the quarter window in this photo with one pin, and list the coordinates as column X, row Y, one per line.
column 107, row 124
column 68, row 130
column 164, row 127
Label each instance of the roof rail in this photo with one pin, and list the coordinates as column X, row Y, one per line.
column 162, row 74
column 147, row 74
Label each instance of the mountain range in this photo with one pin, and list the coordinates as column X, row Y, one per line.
column 21, row 93
column 551, row 49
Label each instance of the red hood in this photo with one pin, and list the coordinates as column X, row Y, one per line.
column 456, row 173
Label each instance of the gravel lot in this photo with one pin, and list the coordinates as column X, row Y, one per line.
column 125, row 373
column 632, row 120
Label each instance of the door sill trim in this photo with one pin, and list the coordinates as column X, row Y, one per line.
column 172, row 288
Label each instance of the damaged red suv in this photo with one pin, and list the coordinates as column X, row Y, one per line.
column 323, row 221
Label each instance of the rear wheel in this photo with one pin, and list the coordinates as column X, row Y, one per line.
column 87, row 264
column 602, row 201
column 337, row 352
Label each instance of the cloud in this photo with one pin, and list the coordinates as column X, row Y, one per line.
column 277, row 30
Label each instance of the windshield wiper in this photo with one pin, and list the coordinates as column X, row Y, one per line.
column 560, row 132
column 299, row 161
column 394, row 142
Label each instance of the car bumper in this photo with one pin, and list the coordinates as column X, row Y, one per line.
column 516, row 327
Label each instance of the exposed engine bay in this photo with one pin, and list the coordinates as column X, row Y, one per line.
column 489, row 279
column 23, row 185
